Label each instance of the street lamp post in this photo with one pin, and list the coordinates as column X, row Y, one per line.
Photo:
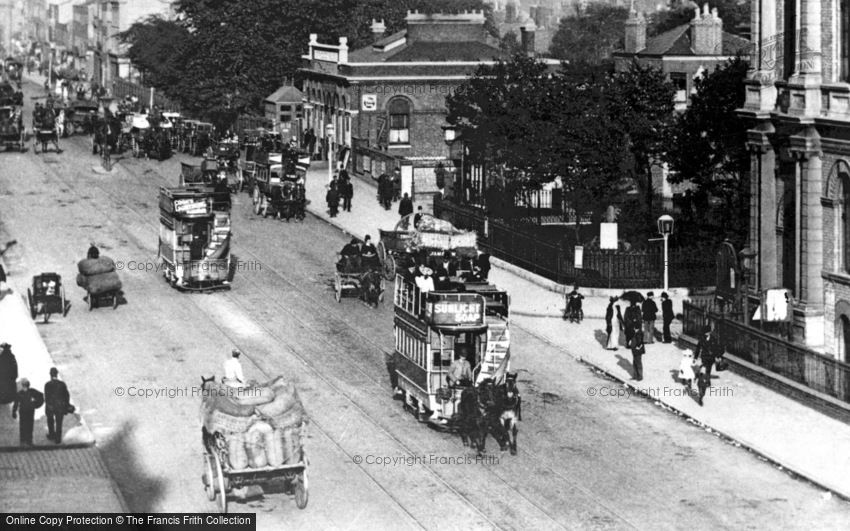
column 50, row 68
column 665, row 228
column 745, row 259
column 329, row 133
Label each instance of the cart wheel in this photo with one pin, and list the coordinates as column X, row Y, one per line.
column 222, row 491
column 64, row 303
column 338, row 288
column 389, row 267
column 209, row 477
column 114, row 300
column 299, row 486
column 91, row 301
column 30, row 302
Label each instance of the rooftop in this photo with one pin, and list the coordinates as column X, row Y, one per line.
column 677, row 42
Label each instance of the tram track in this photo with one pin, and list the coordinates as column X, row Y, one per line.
column 325, row 334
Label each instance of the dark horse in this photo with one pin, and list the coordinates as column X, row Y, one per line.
column 472, row 421
column 107, row 133
column 491, row 408
column 370, row 287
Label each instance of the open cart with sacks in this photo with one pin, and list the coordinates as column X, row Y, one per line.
column 100, row 280
column 252, row 439
column 428, row 240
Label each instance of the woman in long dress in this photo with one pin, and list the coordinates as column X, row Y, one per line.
column 612, row 324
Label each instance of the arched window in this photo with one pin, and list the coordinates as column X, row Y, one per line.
column 399, row 111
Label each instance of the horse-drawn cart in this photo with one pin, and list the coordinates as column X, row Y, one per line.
column 100, row 280
column 47, row 296
column 253, row 442
column 12, row 128
column 352, row 279
column 429, row 239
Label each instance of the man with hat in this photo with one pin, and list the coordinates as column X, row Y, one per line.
column 709, row 349
column 26, row 401
column 233, row 370
column 56, row 405
column 369, row 254
column 649, row 311
column 8, row 374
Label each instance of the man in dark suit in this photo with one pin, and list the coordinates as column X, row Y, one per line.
column 26, row 402
column 667, row 316
column 649, row 311
column 446, row 267
column 56, row 402
column 709, row 348
column 632, row 321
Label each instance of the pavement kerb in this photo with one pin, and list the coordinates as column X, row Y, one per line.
column 742, row 441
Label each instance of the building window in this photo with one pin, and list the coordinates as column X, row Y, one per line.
column 789, row 48
column 680, row 82
column 285, row 118
column 844, row 22
column 399, row 109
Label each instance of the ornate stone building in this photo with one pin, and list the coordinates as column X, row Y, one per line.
column 798, row 98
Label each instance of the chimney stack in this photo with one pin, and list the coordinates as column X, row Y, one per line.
column 378, row 30
column 527, row 39
column 707, row 32
column 635, row 31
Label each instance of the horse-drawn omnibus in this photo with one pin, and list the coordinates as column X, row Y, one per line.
column 431, row 327
column 194, row 239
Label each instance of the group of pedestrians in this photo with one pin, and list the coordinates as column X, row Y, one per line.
column 638, row 326
column 26, row 401
column 389, row 190
column 340, row 189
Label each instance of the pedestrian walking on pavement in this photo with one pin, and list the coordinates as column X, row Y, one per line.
column 709, row 349
column 8, row 374
column 332, row 198
column 56, row 405
column 346, row 190
column 649, row 312
column 632, row 321
column 26, row 402
column 638, row 350
column 667, row 317
column 612, row 328
column 703, row 382
column 405, row 207
column 385, row 191
column 686, row 369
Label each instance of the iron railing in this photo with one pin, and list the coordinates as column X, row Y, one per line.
column 795, row 362
column 600, row 269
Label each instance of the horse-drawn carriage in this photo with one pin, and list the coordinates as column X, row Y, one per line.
column 80, row 117
column 194, row 238
column 196, row 137
column 252, row 439
column 432, row 329
column 14, row 70
column 45, row 130
column 9, row 96
column 357, row 277
column 278, row 188
column 106, row 138
column 430, row 238
column 47, row 296
column 12, row 134
column 226, row 153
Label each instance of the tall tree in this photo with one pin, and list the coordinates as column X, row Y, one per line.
column 157, row 49
column 590, row 36
column 641, row 102
column 709, row 150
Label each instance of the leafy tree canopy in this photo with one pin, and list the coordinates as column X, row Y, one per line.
column 157, row 48
column 590, row 36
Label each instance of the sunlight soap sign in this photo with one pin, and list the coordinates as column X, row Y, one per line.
column 456, row 309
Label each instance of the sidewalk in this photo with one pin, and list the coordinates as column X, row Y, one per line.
column 47, row 477
column 786, row 432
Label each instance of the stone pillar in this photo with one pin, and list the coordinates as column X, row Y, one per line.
column 763, row 206
column 812, row 231
column 810, row 40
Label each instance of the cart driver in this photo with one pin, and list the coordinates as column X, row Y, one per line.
column 460, row 372
column 233, row 370
column 93, row 252
column 368, row 254
column 350, row 260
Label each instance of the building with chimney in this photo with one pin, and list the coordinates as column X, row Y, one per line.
column 386, row 102
column 798, row 99
column 683, row 52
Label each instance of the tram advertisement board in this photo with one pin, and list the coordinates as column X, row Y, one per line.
column 461, row 310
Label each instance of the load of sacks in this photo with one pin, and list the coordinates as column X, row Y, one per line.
column 261, row 423
column 97, row 275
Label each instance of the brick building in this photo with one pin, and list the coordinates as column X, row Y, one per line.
column 799, row 103
column 683, row 53
column 387, row 101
